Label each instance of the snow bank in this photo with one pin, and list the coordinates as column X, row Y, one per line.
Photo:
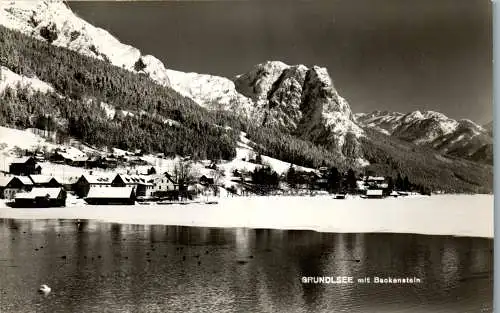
column 458, row 215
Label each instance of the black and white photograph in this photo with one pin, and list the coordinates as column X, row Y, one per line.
column 246, row 156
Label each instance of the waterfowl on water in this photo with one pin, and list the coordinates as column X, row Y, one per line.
column 44, row 289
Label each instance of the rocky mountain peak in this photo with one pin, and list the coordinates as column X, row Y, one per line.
column 257, row 83
column 303, row 100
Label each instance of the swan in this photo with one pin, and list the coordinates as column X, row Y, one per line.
column 44, row 289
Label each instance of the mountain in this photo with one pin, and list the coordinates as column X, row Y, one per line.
column 303, row 101
column 54, row 22
column 461, row 138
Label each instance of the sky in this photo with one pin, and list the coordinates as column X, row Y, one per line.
column 395, row 55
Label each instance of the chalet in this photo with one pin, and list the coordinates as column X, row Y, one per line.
column 109, row 196
column 86, row 182
column 142, row 184
column 11, row 185
column 164, row 186
column 374, row 194
column 44, row 181
column 24, row 166
column 41, row 198
column 73, row 159
column 206, row 181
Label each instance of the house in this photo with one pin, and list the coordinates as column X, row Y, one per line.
column 374, row 193
column 44, row 181
column 206, row 181
column 24, row 166
column 68, row 182
column 109, row 196
column 70, row 158
column 41, row 198
column 86, row 181
column 165, row 186
column 142, row 184
column 11, row 185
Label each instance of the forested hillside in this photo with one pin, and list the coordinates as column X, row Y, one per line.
column 426, row 167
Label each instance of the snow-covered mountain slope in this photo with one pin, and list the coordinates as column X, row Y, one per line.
column 211, row 92
column 9, row 79
column 418, row 127
column 53, row 21
column 304, row 101
column 462, row 138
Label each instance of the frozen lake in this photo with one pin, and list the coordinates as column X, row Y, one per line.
column 113, row 267
column 459, row 215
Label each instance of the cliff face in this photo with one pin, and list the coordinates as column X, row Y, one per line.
column 304, row 101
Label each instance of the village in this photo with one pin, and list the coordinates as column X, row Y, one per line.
column 129, row 179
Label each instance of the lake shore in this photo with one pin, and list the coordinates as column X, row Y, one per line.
column 457, row 215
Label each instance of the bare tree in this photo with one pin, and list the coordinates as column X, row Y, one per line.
column 217, row 177
column 183, row 175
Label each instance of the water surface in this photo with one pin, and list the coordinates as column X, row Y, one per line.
column 101, row 267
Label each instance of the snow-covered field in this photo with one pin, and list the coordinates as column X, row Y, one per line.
column 459, row 215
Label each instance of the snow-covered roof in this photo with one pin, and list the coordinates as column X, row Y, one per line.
column 25, row 180
column 66, row 180
column 376, row 178
column 374, row 192
column 39, row 192
column 41, row 179
column 137, row 179
column 74, row 158
column 98, row 179
column 113, row 192
column 21, row 160
column 5, row 180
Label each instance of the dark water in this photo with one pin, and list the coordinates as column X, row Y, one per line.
column 132, row 268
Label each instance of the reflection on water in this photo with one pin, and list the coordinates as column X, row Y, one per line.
column 101, row 267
